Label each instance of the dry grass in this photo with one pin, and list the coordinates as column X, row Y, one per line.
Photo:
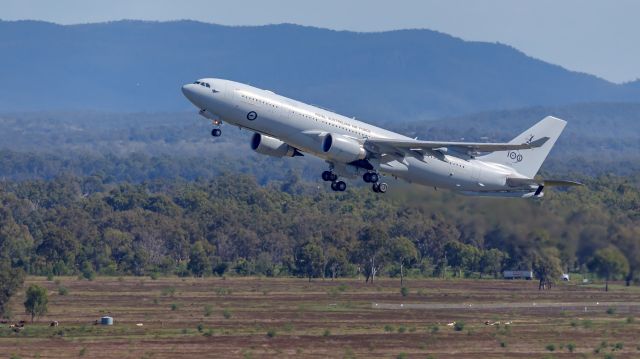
column 261, row 317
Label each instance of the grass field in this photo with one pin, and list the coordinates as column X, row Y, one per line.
column 266, row 317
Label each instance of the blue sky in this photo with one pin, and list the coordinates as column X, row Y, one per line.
column 597, row 37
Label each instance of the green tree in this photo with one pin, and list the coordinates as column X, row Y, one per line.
column 199, row 263
column 609, row 263
column 404, row 252
column 491, row 261
column 371, row 251
column 461, row 256
column 36, row 302
column 546, row 267
column 11, row 280
column 311, row 260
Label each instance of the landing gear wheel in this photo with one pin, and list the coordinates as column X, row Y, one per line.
column 326, row 176
column 374, row 177
column 380, row 187
column 367, row 177
column 216, row 132
column 334, row 177
column 338, row 186
column 334, row 186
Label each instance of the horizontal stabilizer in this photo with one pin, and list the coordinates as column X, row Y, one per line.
column 523, row 182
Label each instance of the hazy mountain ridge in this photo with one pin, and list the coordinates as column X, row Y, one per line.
column 380, row 77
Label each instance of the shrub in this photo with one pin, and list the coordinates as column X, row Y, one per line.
column 221, row 291
column 571, row 347
column 404, row 291
column 611, row 311
column 200, row 327
column 271, row 333
column 208, row 310
column 174, row 306
column 154, row 275
column 550, row 347
column 402, row 356
column 618, row 346
column 326, row 333
column 630, row 320
column 503, row 344
column 458, row 326
column 63, row 291
column 434, row 329
column 168, row 291
column 388, row 328
column 226, row 314
column 402, row 329
column 587, row 324
column 49, row 277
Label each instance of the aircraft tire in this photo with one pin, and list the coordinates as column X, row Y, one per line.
column 334, row 177
column 216, row 132
column 375, row 188
column 374, row 177
column 382, row 187
column 367, row 177
column 326, row 176
column 341, row 186
column 334, row 186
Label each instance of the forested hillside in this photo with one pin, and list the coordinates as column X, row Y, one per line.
column 388, row 76
column 232, row 225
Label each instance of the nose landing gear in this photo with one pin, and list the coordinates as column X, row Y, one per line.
column 216, row 132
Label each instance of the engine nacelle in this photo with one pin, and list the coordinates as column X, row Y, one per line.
column 270, row 146
column 343, row 149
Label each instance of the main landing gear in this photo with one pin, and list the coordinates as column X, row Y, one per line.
column 338, row 186
column 377, row 187
column 369, row 177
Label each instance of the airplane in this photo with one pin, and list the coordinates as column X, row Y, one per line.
column 284, row 127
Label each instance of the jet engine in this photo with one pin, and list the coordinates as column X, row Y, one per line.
column 270, row 146
column 343, row 149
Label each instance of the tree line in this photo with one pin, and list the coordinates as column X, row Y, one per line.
column 233, row 225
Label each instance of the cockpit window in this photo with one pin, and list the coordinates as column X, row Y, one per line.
column 203, row 84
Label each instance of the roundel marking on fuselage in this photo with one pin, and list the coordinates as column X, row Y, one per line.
column 252, row 116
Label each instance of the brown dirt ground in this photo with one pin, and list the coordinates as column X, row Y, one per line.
column 298, row 314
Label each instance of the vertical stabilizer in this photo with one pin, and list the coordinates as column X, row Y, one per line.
column 528, row 162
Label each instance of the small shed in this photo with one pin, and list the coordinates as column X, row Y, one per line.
column 106, row 320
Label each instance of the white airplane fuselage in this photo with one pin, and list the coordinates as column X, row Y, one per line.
column 303, row 126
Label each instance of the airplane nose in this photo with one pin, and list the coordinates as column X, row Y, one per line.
column 187, row 90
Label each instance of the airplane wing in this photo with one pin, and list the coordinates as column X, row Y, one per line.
column 399, row 146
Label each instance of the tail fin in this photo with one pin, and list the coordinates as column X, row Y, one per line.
column 528, row 162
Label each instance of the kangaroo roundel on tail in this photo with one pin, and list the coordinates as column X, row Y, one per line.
column 527, row 162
